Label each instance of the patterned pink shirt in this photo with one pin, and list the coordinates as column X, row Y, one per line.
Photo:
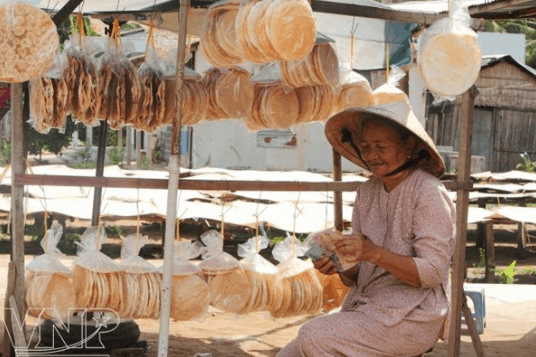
column 415, row 219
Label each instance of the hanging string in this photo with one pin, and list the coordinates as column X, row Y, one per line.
column 222, row 211
column 449, row 7
column 352, row 41
column 257, row 214
column 387, row 58
column 116, row 33
column 297, row 212
column 150, row 38
column 81, row 29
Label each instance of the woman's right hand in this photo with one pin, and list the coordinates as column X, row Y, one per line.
column 325, row 266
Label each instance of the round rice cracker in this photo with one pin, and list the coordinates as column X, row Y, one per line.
column 255, row 28
column 230, row 292
column 158, row 297
column 306, row 100
column 190, row 298
column 286, row 299
column 31, row 27
column 234, row 93
column 291, row 28
column 275, row 293
column 326, row 64
column 243, row 34
column 226, row 33
column 450, row 63
column 280, row 109
column 355, row 95
column 58, row 295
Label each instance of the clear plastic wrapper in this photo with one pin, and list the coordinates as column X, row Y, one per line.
column 449, row 54
column 389, row 92
column 96, row 276
column 140, row 284
column 320, row 67
column 50, row 98
column 48, row 284
column 229, row 286
column 28, row 43
column 275, row 30
column 266, row 286
column 120, row 86
column 355, row 90
column 302, row 292
column 82, row 78
column 190, row 296
column 219, row 42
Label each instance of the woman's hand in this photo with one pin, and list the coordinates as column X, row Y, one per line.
column 352, row 249
column 325, row 266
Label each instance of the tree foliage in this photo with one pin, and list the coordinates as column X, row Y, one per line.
column 53, row 141
column 524, row 26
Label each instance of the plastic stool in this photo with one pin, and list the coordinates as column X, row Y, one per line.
column 478, row 297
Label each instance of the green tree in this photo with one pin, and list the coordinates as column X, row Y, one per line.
column 53, row 141
column 524, row 26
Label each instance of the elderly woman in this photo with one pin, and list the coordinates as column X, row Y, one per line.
column 402, row 242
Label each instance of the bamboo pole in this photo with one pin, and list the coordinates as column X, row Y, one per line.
column 174, row 171
column 462, row 206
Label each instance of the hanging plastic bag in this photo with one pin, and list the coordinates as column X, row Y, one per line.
column 119, row 83
column 96, row 277
column 449, row 54
column 389, row 92
column 28, row 43
column 48, row 284
column 355, row 91
column 302, row 292
column 82, row 75
column 50, row 98
column 320, row 67
column 219, row 42
column 266, row 286
column 190, row 297
column 229, row 286
column 141, row 284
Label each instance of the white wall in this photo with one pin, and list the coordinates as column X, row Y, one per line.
column 494, row 43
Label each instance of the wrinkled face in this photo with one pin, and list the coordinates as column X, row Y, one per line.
column 381, row 148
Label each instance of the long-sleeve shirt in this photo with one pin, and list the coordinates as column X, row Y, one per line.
column 416, row 219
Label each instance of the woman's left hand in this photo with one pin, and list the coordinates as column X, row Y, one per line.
column 352, row 248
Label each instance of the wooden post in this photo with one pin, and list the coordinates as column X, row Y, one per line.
column 521, row 236
column 138, row 149
column 120, row 139
column 101, row 156
column 477, row 344
column 481, row 231
column 129, row 144
column 8, row 326
column 17, row 193
column 337, row 196
column 462, row 206
column 490, row 253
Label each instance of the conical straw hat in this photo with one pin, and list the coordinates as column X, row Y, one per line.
column 399, row 112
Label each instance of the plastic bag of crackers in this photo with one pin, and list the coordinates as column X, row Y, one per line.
column 119, row 84
column 49, row 290
column 141, row 284
column 229, row 286
column 266, row 286
column 50, row 98
column 302, row 292
column 190, row 297
column 28, row 42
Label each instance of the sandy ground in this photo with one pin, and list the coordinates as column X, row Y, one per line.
column 510, row 331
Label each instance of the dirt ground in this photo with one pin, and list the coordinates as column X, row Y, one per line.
column 510, row 331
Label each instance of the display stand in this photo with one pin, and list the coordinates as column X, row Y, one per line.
column 19, row 179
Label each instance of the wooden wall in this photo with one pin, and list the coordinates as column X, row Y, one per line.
column 506, row 85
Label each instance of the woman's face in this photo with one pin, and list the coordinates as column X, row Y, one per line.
column 381, row 149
